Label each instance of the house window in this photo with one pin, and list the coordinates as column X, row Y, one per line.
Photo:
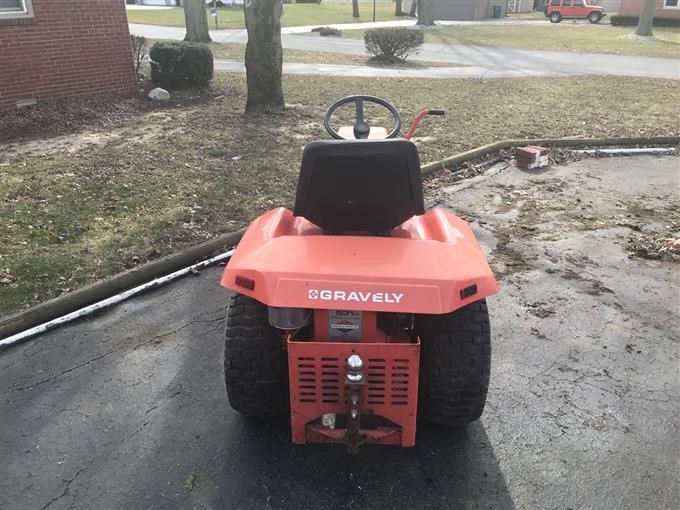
column 671, row 4
column 16, row 9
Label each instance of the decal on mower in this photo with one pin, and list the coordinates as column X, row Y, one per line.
column 344, row 325
column 359, row 297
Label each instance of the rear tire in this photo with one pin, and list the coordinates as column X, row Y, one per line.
column 594, row 17
column 555, row 17
column 455, row 364
column 255, row 364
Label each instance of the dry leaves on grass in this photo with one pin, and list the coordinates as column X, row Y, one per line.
column 107, row 112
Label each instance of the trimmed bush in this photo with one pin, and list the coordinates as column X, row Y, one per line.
column 632, row 21
column 393, row 44
column 329, row 32
column 179, row 64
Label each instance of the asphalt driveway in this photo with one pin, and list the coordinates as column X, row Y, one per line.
column 128, row 409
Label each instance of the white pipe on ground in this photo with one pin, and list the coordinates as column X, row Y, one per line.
column 105, row 303
column 648, row 150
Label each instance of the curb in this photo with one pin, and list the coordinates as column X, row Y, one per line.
column 103, row 289
column 555, row 142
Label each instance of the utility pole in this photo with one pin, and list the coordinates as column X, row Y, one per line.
column 214, row 13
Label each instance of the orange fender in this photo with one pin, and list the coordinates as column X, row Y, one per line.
column 431, row 264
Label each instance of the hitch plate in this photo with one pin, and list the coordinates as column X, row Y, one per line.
column 317, row 388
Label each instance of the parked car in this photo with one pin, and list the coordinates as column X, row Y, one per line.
column 557, row 10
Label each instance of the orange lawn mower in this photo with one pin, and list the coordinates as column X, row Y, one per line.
column 358, row 312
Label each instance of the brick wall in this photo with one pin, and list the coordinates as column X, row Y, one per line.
column 634, row 8
column 70, row 48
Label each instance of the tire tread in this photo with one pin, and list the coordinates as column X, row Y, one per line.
column 455, row 364
column 255, row 364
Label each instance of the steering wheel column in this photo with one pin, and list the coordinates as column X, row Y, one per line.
column 362, row 128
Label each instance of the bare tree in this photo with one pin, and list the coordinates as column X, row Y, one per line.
column 138, row 52
column 425, row 12
column 355, row 8
column 264, row 57
column 644, row 27
column 397, row 8
column 196, row 20
column 412, row 9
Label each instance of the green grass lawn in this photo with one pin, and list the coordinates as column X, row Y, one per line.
column 165, row 176
column 325, row 13
column 563, row 37
column 236, row 51
column 581, row 37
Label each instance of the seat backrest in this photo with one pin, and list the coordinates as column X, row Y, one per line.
column 359, row 185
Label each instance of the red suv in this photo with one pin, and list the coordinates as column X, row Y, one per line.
column 557, row 10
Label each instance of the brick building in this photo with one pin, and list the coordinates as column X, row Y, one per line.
column 664, row 8
column 54, row 49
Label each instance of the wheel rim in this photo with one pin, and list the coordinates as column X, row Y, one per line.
column 555, row 18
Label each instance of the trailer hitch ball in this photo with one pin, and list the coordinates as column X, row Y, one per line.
column 355, row 369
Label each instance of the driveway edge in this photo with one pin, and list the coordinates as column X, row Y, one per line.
column 553, row 142
column 97, row 291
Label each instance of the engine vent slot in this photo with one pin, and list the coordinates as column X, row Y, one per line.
column 319, row 380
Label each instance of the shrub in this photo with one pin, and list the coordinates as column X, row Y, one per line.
column 329, row 31
column 632, row 21
column 393, row 44
column 138, row 52
column 179, row 64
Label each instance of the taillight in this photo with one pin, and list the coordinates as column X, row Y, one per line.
column 244, row 282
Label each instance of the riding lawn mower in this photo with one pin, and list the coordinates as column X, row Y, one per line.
column 359, row 312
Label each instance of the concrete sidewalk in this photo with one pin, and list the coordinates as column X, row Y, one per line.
column 497, row 62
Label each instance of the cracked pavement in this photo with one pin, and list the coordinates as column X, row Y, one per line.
column 128, row 409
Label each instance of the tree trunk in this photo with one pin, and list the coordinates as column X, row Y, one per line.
column 355, row 8
column 397, row 8
column 412, row 10
column 196, row 20
column 644, row 27
column 425, row 12
column 264, row 57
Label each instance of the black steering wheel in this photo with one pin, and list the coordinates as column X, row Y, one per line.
column 361, row 127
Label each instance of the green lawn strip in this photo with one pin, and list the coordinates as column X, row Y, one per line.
column 68, row 220
column 582, row 37
column 236, row 51
column 325, row 13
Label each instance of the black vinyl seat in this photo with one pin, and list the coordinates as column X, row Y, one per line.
column 359, row 185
